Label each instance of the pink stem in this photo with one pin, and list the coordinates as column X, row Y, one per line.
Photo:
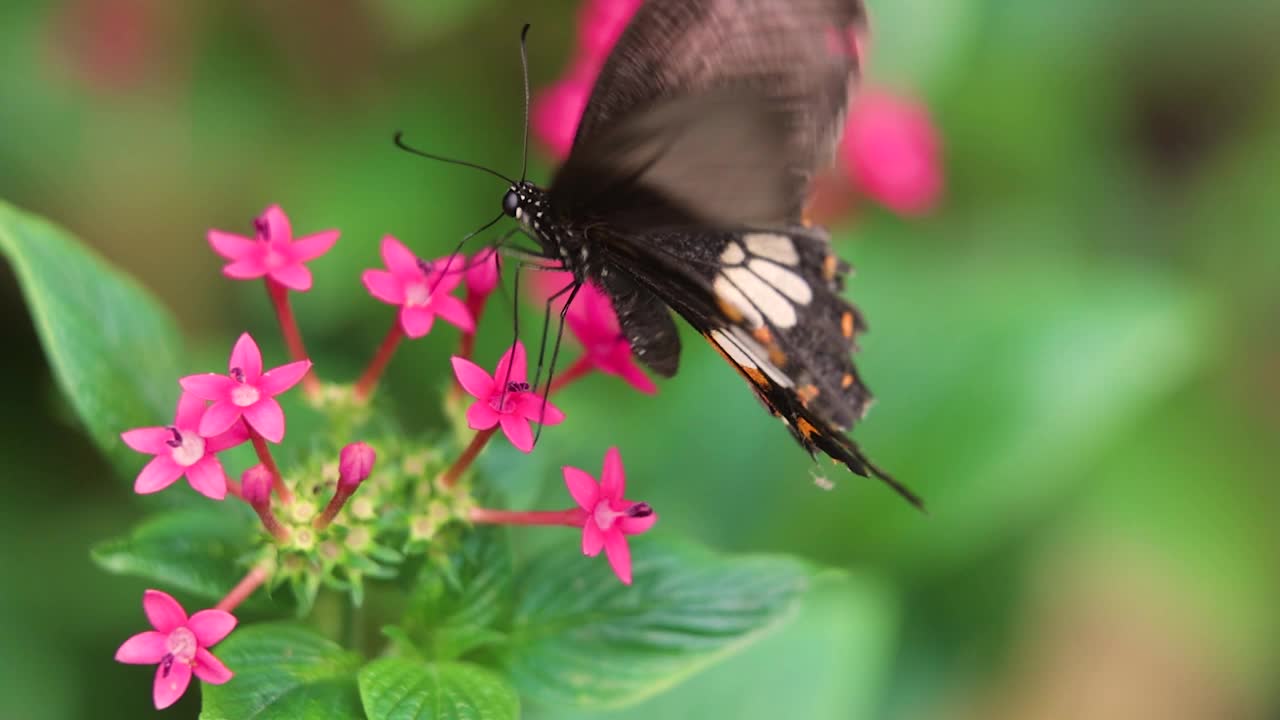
column 269, row 462
column 243, row 589
column 339, row 499
column 369, row 379
column 279, row 295
column 450, row 477
column 573, row 517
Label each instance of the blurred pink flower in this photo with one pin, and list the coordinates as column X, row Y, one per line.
column 180, row 450
column 421, row 292
column 556, row 112
column 600, row 24
column 892, row 152
column 482, row 273
column 246, row 391
column 505, row 398
column 608, row 517
column 272, row 252
column 593, row 322
column 178, row 645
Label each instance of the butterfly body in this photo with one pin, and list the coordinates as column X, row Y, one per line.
column 684, row 192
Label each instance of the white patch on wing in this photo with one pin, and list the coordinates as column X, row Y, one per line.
column 733, row 254
column 778, row 248
column 746, row 352
column 730, row 294
column 762, row 296
column 791, row 284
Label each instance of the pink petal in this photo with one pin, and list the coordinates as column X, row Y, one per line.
column 613, row 479
column 533, row 408
column 229, row 439
column 211, row 626
column 313, row 246
column 208, row 478
column 615, row 546
column 582, row 487
column 208, row 386
column 384, row 286
column 170, row 684
column 231, row 247
column 267, row 417
column 144, row 648
column 514, row 356
column 472, row 378
column 636, row 377
column 219, row 418
column 157, row 475
column 148, row 440
column 278, row 380
column 190, row 410
column 480, row 416
column 635, row 526
column 295, row 277
column 247, row 269
column 556, row 112
column 483, row 272
column 210, row 669
column 442, row 281
column 246, row 356
column 165, row 614
column 278, row 229
column 517, row 431
column 416, row 321
column 453, row 311
column 399, row 259
column 592, row 538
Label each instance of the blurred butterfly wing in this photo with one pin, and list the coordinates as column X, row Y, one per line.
column 797, row 57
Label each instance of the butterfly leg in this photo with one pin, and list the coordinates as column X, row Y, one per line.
column 555, row 352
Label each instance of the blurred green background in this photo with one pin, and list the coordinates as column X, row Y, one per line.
column 1077, row 357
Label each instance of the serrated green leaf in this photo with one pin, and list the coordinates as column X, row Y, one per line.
column 114, row 349
column 197, row 550
column 403, row 689
column 284, row 672
column 581, row 638
column 454, row 606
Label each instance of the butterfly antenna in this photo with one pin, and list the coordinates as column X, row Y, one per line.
column 400, row 143
column 524, row 65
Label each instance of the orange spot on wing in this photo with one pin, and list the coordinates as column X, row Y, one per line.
column 730, row 311
column 830, row 265
column 846, row 381
column 806, row 428
column 846, row 324
column 807, row 393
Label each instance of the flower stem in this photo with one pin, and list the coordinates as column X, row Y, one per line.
column 243, row 589
column 577, row 370
column 269, row 462
column 279, row 295
column 369, row 379
column 450, row 477
column 573, row 517
column 339, row 499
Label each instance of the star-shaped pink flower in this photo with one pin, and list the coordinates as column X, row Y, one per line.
column 594, row 323
column 272, row 252
column 505, row 398
column 246, row 391
column 608, row 516
column 180, row 450
column 179, row 646
column 421, row 291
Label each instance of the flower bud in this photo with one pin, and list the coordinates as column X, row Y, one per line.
column 255, row 486
column 355, row 462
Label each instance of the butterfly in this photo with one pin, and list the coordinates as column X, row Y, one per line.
column 684, row 191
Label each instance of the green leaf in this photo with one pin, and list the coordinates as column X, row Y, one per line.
column 113, row 348
column 283, row 672
column 581, row 638
column 401, row 689
column 832, row 661
column 197, row 550
column 454, row 607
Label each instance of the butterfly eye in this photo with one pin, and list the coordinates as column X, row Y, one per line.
column 510, row 203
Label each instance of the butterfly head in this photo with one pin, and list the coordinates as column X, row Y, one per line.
column 526, row 203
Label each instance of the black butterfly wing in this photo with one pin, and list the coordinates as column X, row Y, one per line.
column 795, row 58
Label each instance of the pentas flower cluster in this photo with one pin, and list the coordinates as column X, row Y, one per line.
column 891, row 151
column 317, row 530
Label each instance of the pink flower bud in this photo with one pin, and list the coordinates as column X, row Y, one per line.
column 255, row 486
column 355, row 462
column 892, row 152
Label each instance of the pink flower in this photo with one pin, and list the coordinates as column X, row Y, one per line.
column 556, row 112
column 180, row 450
column 179, row 646
column 608, row 517
column 273, row 252
column 421, row 291
column 245, row 392
column 592, row 320
column 892, row 152
column 505, row 398
column 600, row 24
column 355, row 462
column 482, row 273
